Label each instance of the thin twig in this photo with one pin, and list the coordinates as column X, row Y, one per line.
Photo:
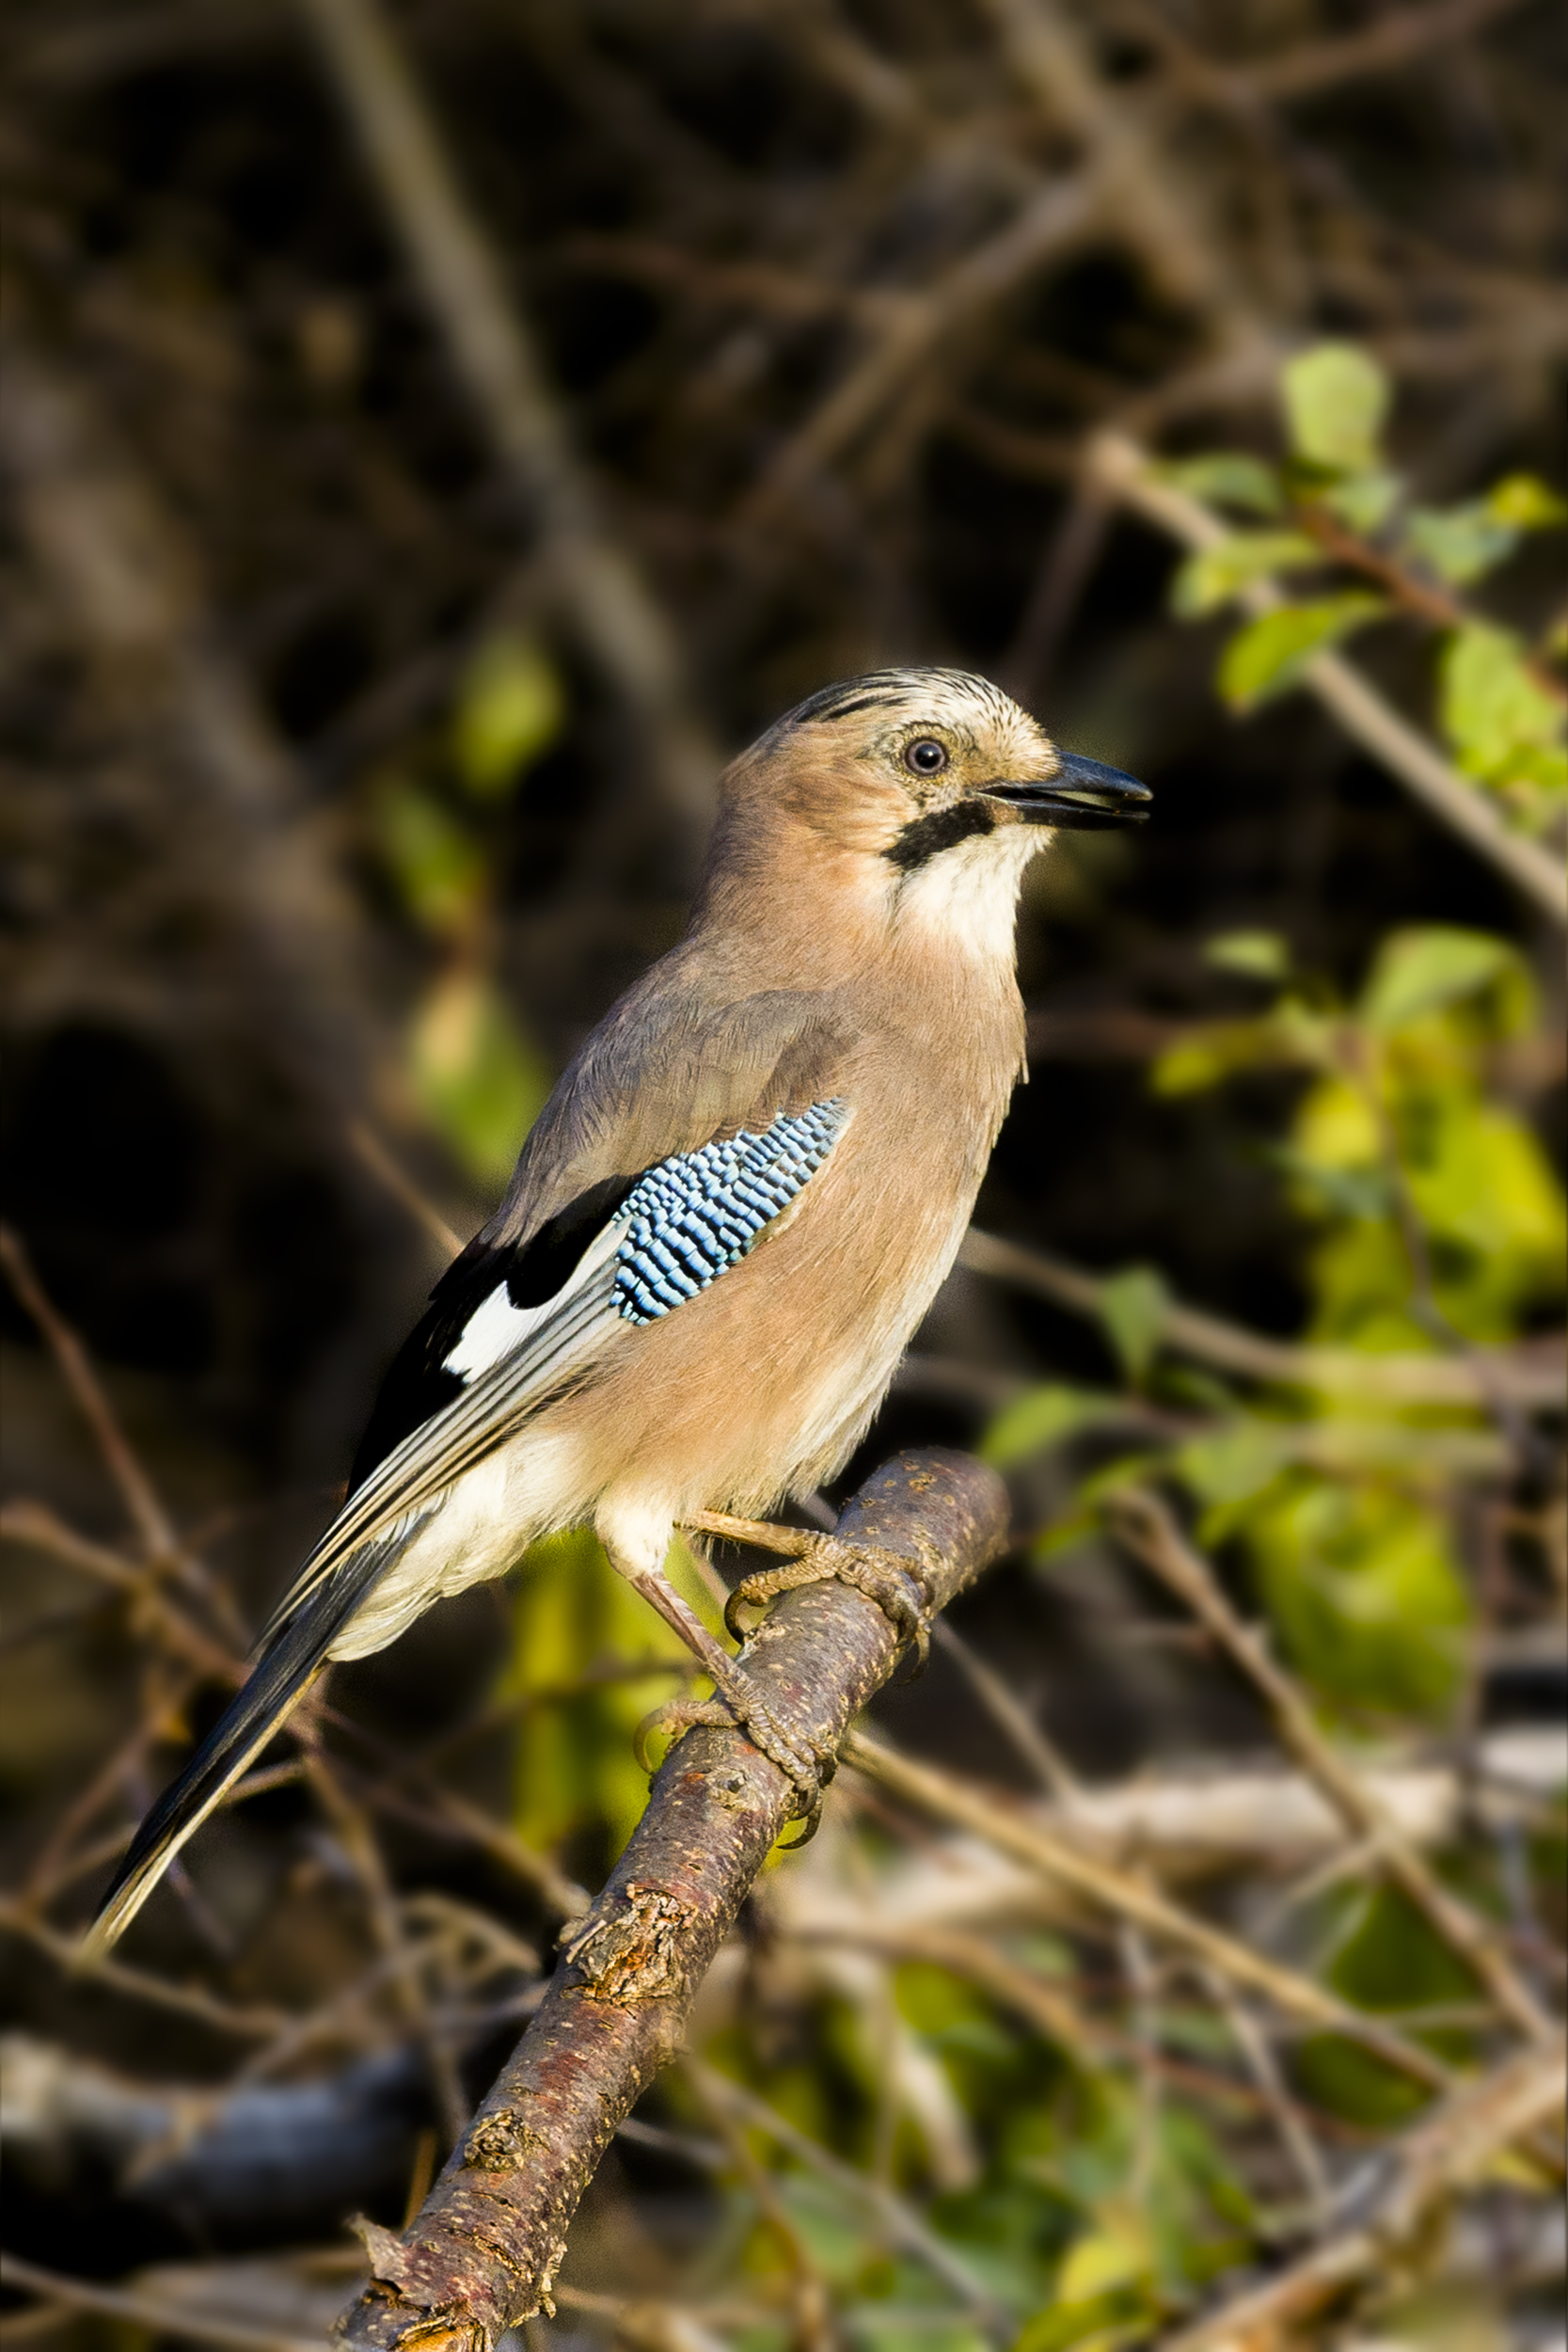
column 358, row 1841
column 1387, row 42
column 1261, row 2064
column 902, row 2225
column 1529, row 1377
column 1125, row 1897
column 185, row 2001
column 1145, row 1525
column 1057, row 214
column 1446, row 2151
column 403, row 1190
column 615, row 619
column 151, row 2310
column 1126, row 471
column 26, row 1521
column 155, row 1531
column 812, row 2299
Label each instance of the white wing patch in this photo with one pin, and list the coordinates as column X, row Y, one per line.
column 491, row 1331
column 497, row 1329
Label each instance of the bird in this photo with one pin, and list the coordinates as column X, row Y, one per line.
column 726, row 1223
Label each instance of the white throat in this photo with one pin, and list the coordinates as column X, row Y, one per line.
column 968, row 896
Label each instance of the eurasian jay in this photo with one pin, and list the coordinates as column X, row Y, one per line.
column 729, row 1218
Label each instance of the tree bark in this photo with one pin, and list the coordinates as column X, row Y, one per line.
column 481, row 2254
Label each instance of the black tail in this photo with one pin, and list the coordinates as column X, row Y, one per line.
column 278, row 1682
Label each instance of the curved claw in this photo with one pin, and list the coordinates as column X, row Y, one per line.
column 742, row 1597
column 808, row 1774
column 675, row 1716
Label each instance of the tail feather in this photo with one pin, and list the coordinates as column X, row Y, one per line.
column 278, row 1680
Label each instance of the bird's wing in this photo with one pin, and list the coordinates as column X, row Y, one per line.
column 660, row 1079
column 663, row 1156
column 667, row 1072
column 522, row 1313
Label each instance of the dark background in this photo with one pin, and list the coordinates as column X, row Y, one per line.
column 258, row 524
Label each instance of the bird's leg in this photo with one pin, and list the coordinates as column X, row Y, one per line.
column 895, row 1584
column 741, row 1701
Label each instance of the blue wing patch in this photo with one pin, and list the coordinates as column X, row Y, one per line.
column 695, row 1214
column 678, row 1227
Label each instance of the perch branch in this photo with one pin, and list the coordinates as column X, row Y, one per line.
column 481, row 2254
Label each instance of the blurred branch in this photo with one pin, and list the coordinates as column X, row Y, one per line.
column 1389, row 40
column 147, row 1515
column 1147, row 1529
column 236, row 817
column 488, row 2243
column 402, row 1189
column 1127, row 472
column 1226, row 1819
column 1060, row 213
column 148, row 2310
column 1449, row 2151
column 261, row 2153
column 608, row 609
column 901, row 2225
column 186, row 2000
column 1143, row 190
column 1124, row 1895
column 1529, row 1375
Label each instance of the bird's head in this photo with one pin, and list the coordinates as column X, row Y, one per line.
column 930, row 786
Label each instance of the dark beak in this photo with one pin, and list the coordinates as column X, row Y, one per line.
column 1083, row 795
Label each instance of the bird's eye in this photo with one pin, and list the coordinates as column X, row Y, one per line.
column 925, row 756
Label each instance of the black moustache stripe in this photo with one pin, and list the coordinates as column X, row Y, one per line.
column 927, row 836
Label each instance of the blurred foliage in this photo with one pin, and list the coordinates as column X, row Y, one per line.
column 1336, row 504
column 474, row 1075
column 1435, row 1221
column 578, row 1630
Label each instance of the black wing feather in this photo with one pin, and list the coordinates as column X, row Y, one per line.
column 418, row 1382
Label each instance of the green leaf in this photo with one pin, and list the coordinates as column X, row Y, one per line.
column 477, row 1080
column 1459, row 543
column 1491, row 707
column 1269, row 654
column 1089, row 2323
column 1261, row 955
column 1216, row 1052
column 509, row 710
column 1324, row 1186
column 1362, row 501
column 1213, row 575
column 1336, row 399
column 1525, row 504
column 438, row 867
column 1231, row 1464
column 1417, row 972
column 1042, row 1418
column 1133, row 1307
column 1362, row 1583
column 1227, row 478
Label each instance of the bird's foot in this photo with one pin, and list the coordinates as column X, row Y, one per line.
column 895, row 1584
column 740, row 1706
